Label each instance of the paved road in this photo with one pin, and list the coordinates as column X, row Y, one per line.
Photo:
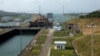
column 48, row 42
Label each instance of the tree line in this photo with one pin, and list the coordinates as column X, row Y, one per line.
column 95, row 14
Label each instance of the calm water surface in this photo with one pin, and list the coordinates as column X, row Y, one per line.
column 13, row 46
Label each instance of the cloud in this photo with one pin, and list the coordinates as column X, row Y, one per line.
column 65, row 0
column 48, row 5
column 62, row 0
column 17, row 5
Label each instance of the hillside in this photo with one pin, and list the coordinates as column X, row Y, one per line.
column 83, row 24
column 4, row 13
column 83, row 45
column 75, row 14
column 94, row 14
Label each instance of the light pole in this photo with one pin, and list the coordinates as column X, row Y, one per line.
column 20, row 40
column 39, row 9
column 63, row 9
column 92, row 25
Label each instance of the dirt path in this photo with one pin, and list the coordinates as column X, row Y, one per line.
column 46, row 46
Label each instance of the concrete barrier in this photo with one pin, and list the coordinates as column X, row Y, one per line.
column 7, row 35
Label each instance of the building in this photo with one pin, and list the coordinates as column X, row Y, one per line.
column 6, row 18
column 50, row 15
column 18, row 20
column 40, row 21
column 60, row 44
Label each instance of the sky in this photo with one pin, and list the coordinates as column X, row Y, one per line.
column 46, row 6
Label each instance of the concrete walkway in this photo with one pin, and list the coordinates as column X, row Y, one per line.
column 46, row 47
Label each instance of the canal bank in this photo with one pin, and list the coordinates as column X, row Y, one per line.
column 14, row 41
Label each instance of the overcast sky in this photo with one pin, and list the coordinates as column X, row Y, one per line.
column 55, row 6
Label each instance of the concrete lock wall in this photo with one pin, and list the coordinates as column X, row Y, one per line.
column 9, row 34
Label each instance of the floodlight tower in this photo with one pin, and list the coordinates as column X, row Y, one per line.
column 92, row 25
column 39, row 9
column 63, row 9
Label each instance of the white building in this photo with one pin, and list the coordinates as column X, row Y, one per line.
column 18, row 23
column 17, row 20
column 60, row 44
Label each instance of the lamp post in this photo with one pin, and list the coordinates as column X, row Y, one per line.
column 63, row 9
column 20, row 40
column 39, row 9
column 92, row 25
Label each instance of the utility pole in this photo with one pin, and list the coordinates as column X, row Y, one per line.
column 39, row 15
column 63, row 9
column 92, row 41
column 39, row 9
column 20, row 40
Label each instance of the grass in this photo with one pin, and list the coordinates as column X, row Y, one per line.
column 41, row 39
column 78, row 36
column 67, row 52
column 69, row 48
column 62, row 52
column 60, row 34
column 45, row 32
column 35, row 51
column 83, row 45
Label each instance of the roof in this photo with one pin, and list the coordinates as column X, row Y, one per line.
column 60, row 42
